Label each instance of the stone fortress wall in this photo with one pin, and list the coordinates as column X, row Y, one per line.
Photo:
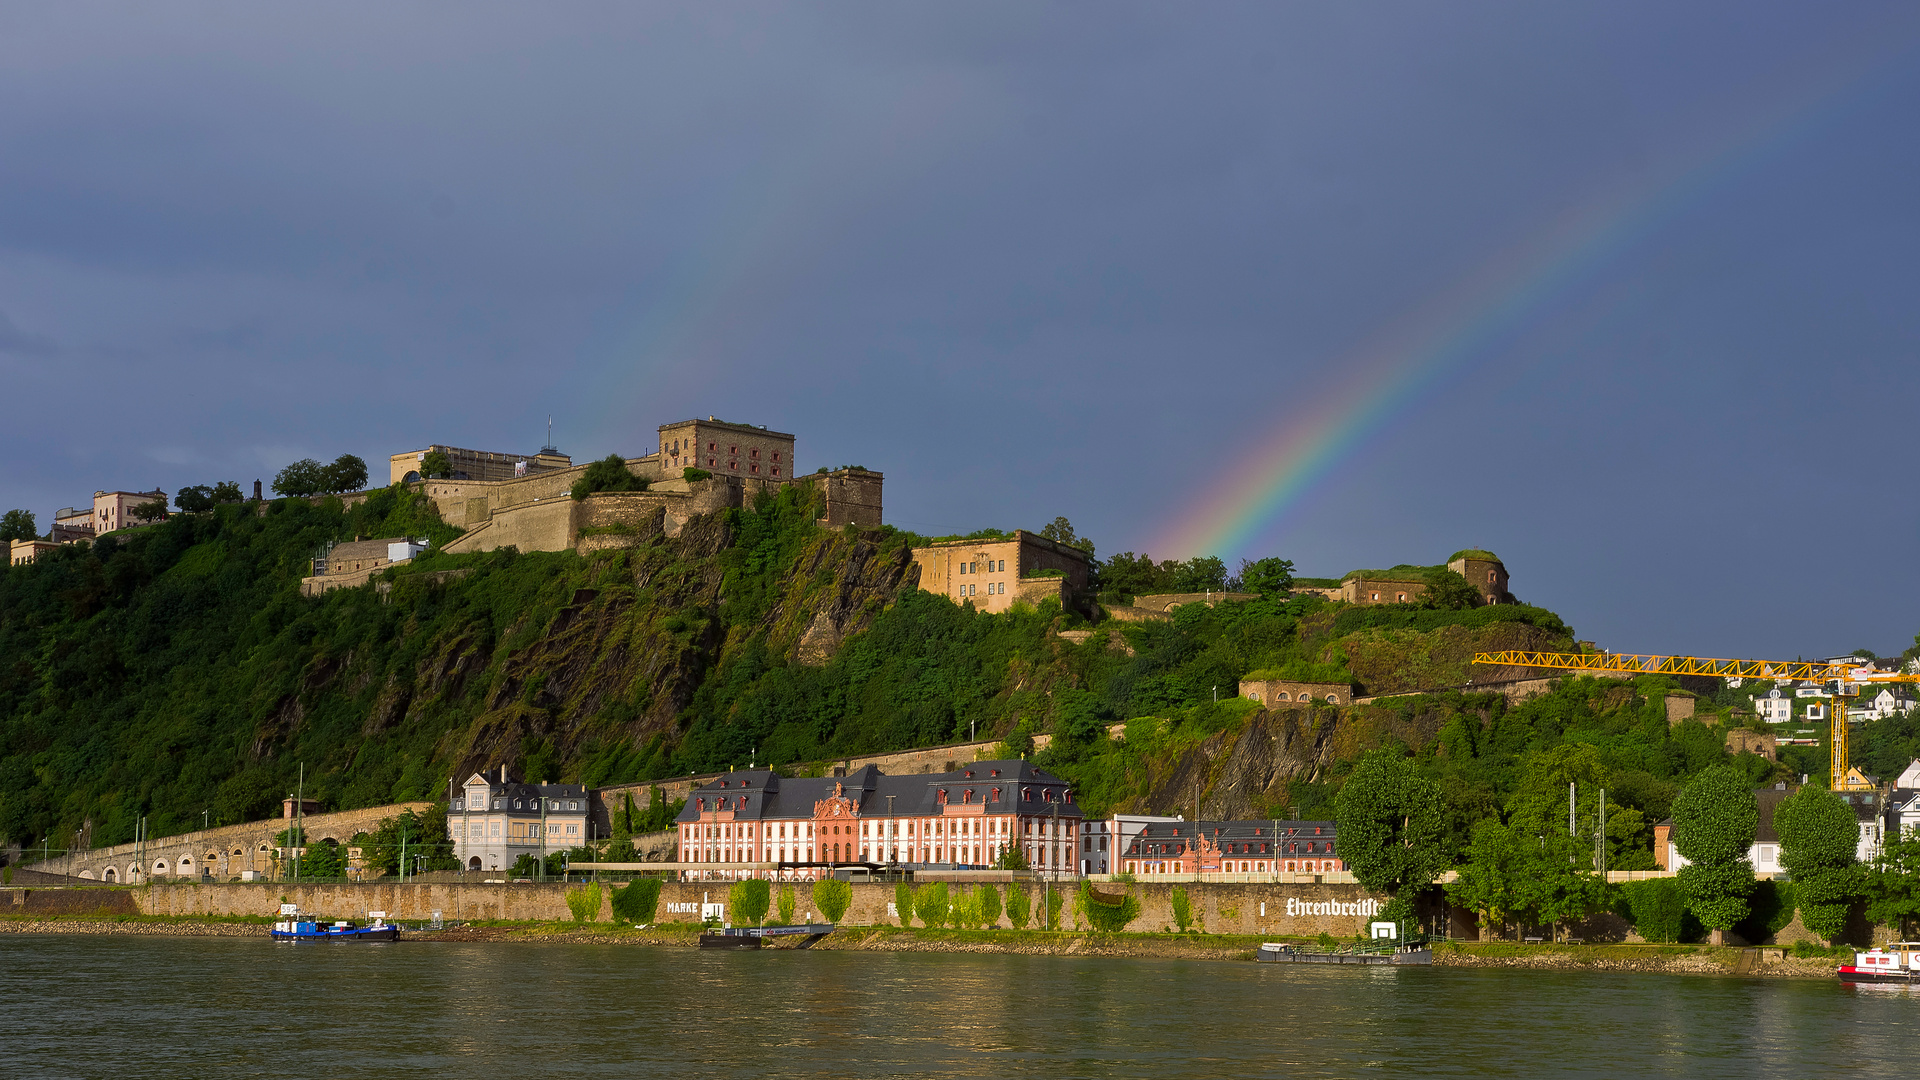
column 537, row 512
column 221, row 853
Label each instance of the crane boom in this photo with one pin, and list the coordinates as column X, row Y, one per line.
column 1846, row 676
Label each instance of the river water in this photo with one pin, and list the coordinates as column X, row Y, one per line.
column 108, row 1006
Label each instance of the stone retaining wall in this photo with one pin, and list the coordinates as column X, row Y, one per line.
column 1303, row 909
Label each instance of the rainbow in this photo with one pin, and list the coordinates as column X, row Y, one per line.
column 1391, row 371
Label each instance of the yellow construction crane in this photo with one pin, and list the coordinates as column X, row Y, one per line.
column 1845, row 676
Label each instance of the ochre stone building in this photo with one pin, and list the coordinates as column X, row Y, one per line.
column 1272, row 692
column 476, row 464
column 994, row 574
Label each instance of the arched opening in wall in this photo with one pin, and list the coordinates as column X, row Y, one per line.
column 473, row 863
column 86, row 875
column 1333, row 699
column 133, row 873
column 108, row 874
column 412, row 477
column 159, row 866
column 1283, row 696
column 186, row 866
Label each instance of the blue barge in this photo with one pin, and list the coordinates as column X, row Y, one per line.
column 296, row 927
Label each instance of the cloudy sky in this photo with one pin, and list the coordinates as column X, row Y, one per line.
column 1625, row 292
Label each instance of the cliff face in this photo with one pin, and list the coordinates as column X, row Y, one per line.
column 617, row 657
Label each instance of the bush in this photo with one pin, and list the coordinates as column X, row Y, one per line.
column 787, row 904
column 931, row 902
column 832, row 896
column 690, row 474
column 584, row 903
column 749, row 901
column 1106, row 915
column 1054, row 900
column 638, row 902
column 1019, row 906
column 965, row 912
column 903, row 902
column 610, row 473
column 1182, row 909
column 988, row 897
column 1658, row 910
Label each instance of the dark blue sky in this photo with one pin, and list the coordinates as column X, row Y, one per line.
column 1026, row 259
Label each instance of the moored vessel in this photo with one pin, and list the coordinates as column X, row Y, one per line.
column 1408, row 953
column 1895, row 963
column 293, row 926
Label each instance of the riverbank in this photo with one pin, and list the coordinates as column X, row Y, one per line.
column 1646, row 959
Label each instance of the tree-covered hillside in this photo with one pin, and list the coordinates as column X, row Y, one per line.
column 176, row 669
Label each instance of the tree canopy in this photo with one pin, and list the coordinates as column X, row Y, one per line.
column 18, row 525
column 1268, row 577
column 1713, row 825
column 610, row 473
column 1819, row 839
column 1391, row 828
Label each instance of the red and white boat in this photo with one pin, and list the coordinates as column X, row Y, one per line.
column 1895, row 963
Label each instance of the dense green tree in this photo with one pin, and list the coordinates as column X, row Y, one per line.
column 1268, row 577
column 18, row 525
column 321, row 861
column 1060, row 530
column 1489, row 880
column 1019, row 906
column 1713, row 825
column 150, row 511
column 831, row 896
column 931, row 904
column 903, row 902
column 1391, row 827
column 1892, row 883
column 987, row 896
column 1819, row 839
column 786, row 902
column 638, row 902
column 302, row 478
column 610, row 473
column 347, row 473
column 1448, row 591
column 1203, row 573
column 436, row 465
column 194, row 499
column 749, row 900
column 227, row 491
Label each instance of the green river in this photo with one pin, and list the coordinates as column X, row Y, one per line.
column 127, row 1006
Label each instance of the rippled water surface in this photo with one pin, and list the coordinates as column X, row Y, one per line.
column 217, row 1007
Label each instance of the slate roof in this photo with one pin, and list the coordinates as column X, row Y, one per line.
column 1178, row 834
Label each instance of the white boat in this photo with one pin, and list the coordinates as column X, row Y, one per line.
column 1895, row 963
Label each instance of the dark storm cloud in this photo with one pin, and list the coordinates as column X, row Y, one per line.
column 1028, row 259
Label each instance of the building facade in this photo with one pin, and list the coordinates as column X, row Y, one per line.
column 114, row 509
column 493, row 821
column 1231, row 847
column 22, row 552
column 994, row 574
column 964, row 819
column 1273, row 692
column 476, row 464
column 71, row 524
column 727, row 449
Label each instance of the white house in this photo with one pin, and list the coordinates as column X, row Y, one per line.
column 1775, row 708
column 1764, row 852
column 1883, row 705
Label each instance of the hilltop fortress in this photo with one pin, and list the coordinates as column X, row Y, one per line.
column 526, row 502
